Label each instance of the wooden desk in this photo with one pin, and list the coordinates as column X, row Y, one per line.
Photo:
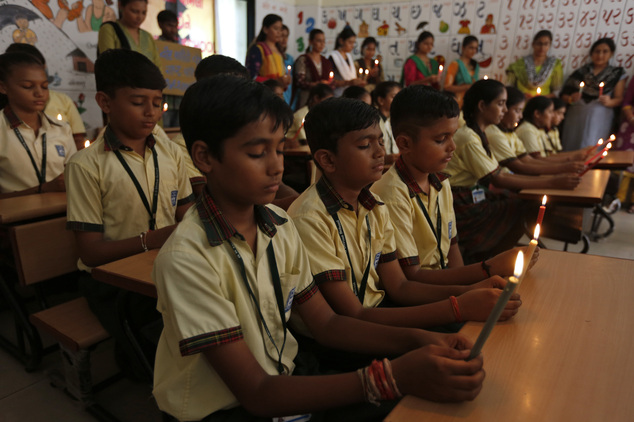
column 21, row 208
column 132, row 273
column 590, row 191
column 566, row 356
column 617, row 160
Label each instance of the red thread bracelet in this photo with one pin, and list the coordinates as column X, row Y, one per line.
column 456, row 309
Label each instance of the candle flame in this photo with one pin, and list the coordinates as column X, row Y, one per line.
column 367, row 72
column 609, row 145
column 59, row 117
column 582, row 84
column 288, row 67
column 600, row 141
column 165, row 107
column 376, row 62
column 87, row 143
column 516, row 124
column 360, row 71
column 601, row 85
column 331, row 75
column 440, row 68
column 605, row 153
column 539, row 91
column 544, row 199
column 519, row 264
column 486, row 77
column 536, row 232
column 612, row 137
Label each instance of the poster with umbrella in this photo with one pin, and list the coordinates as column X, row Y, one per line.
column 19, row 17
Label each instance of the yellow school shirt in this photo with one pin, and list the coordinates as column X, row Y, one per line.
column 470, row 161
column 534, row 139
column 204, row 303
column 504, row 145
column 312, row 213
column 195, row 176
column 61, row 104
column 16, row 169
column 103, row 198
column 415, row 240
column 555, row 140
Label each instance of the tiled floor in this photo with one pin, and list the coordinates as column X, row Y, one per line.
column 30, row 397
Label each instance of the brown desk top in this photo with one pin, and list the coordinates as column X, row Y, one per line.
column 132, row 273
column 27, row 207
column 566, row 356
column 617, row 160
column 589, row 191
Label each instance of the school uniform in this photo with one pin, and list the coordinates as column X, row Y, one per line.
column 17, row 165
column 534, row 139
column 484, row 218
column 195, row 176
column 204, row 302
column 388, row 138
column 505, row 146
column 298, row 119
column 415, row 238
column 314, row 213
column 555, row 140
column 61, row 104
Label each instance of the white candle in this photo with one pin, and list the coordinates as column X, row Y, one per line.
column 440, row 69
column 529, row 254
column 499, row 307
column 581, row 85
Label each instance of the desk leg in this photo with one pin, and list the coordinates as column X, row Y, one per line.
column 31, row 358
column 598, row 214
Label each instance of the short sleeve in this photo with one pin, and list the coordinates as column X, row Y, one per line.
column 388, row 249
column 529, row 138
column 107, row 39
column 85, row 211
column 185, row 194
column 477, row 162
column 500, row 146
column 402, row 219
column 73, row 116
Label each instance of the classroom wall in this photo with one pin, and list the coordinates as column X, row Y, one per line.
column 505, row 28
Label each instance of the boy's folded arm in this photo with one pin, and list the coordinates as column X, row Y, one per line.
column 95, row 251
column 267, row 395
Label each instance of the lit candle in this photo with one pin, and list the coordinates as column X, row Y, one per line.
column 581, row 85
column 486, row 77
column 440, row 69
column 59, row 117
column 87, row 143
column 376, row 62
column 608, row 146
column 361, row 72
column 532, row 245
column 288, row 70
column 367, row 73
column 542, row 210
column 612, row 138
column 594, row 163
column 499, row 307
column 298, row 130
column 601, row 85
column 600, row 145
column 165, row 107
column 539, row 91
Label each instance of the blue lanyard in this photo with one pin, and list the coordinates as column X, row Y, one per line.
column 41, row 176
column 277, row 287
column 359, row 292
column 151, row 211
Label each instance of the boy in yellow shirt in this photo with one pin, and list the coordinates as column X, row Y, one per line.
column 349, row 237
column 235, row 269
column 418, row 195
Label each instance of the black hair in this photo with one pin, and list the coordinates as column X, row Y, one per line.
column 486, row 90
column 422, row 37
column 514, row 96
column 285, row 28
column 8, row 61
column 543, row 33
column 18, row 47
column 268, row 21
column 345, row 33
column 219, row 64
column 607, row 41
column 368, row 41
column 558, row 103
column 320, row 91
column 313, row 33
column 121, row 68
column 382, row 89
column 355, row 92
column 465, row 42
column 126, row 2
column 420, row 106
column 538, row 103
column 272, row 84
column 166, row 16
column 215, row 109
column 331, row 119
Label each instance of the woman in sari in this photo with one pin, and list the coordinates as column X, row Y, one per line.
column 537, row 70
column 462, row 73
column 345, row 71
column 311, row 69
column 264, row 60
column 591, row 112
column 419, row 69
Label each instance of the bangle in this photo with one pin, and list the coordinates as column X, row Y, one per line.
column 486, row 268
column 143, row 237
column 456, row 309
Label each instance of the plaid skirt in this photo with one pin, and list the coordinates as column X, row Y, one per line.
column 483, row 225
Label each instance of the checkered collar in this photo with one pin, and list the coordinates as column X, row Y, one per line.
column 112, row 143
column 15, row 121
column 334, row 202
column 435, row 179
column 219, row 229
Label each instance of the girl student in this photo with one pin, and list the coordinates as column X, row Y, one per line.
column 264, row 59
column 462, row 73
column 488, row 222
column 34, row 147
column 538, row 118
column 508, row 149
column 346, row 74
column 382, row 97
column 311, row 68
column 419, row 68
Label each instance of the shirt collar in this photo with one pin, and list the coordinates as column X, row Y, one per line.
column 15, row 121
column 219, row 229
column 334, row 202
column 112, row 143
column 435, row 179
